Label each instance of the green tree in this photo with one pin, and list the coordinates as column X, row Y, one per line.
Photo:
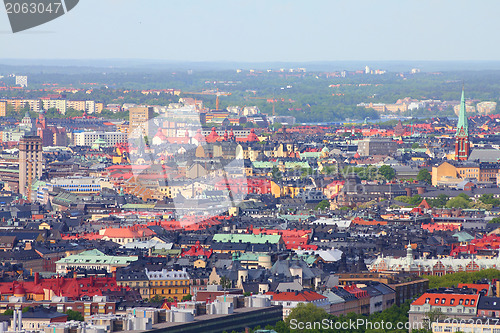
column 494, row 220
column 440, row 201
column 458, row 202
column 276, row 173
column 403, row 198
column 225, row 282
column 323, row 205
column 488, row 199
column 74, row 315
column 415, row 146
column 424, row 176
column 387, row 172
column 188, row 297
column 307, row 313
column 8, row 312
column 415, row 200
column 157, row 299
column 454, row 279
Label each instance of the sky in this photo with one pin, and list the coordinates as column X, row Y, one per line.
column 263, row 31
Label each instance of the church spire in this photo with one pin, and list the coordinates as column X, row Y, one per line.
column 462, row 125
column 462, row 144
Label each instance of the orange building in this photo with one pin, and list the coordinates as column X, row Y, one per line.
column 3, row 108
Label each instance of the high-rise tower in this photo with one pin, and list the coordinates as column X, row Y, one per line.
column 462, row 145
column 30, row 163
column 139, row 121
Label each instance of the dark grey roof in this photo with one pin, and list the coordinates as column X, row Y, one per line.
column 488, row 303
column 485, row 155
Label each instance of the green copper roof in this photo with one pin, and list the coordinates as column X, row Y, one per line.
column 138, row 206
column 463, row 125
column 96, row 257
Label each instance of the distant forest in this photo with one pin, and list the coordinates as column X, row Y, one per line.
column 309, row 96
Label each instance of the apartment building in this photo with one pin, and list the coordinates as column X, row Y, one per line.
column 88, row 138
column 78, row 185
column 167, row 283
column 139, row 120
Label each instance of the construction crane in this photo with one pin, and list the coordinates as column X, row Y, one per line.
column 269, row 100
column 210, row 92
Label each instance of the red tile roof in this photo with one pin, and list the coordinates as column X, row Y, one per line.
column 73, row 288
column 477, row 286
column 433, row 298
column 300, row 296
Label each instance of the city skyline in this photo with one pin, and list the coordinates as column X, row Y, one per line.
column 256, row 31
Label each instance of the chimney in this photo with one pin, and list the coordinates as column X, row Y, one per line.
column 14, row 321
column 37, row 278
column 20, row 318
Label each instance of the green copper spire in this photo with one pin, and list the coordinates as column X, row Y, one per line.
column 463, row 124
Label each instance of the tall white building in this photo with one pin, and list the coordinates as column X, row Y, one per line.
column 76, row 184
column 59, row 104
column 22, row 80
column 88, row 138
column 90, row 107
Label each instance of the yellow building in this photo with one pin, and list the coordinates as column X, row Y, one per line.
column 469, row 108
column 99, row 107
column 135, row 280
column 167, row 283
column 449, row 174
column 444, row 172
column 396, row 107
column 3, row 108
column 77, row 105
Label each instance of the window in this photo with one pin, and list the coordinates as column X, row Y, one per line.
column 436, row 301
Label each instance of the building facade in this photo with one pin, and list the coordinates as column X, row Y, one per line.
column 88, row 138
column 165, row 283
column 30, row 162
column 139, row 120
column 377, row 146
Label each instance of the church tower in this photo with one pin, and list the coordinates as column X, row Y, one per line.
column 462, row 145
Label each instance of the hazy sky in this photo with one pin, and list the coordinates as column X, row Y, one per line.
column 264, row 30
